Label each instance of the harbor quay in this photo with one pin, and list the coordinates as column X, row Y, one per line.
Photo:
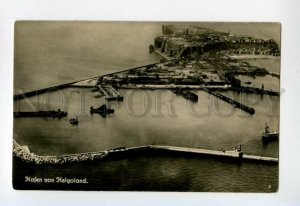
column 171, row 75
column 163, row 95
column 175, row 73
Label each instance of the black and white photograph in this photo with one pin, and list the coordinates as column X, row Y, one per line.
column 146, row 106
column 143, row 102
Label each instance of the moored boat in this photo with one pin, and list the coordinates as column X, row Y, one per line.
column 103, row 110
column 51, row 113
column 74, row 121
column 268, row 135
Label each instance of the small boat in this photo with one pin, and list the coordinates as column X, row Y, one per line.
column 268, row 135
column 74, row 121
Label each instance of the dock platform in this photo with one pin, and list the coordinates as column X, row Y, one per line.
column 234, row 103
column 110, row 93
column 225, row 154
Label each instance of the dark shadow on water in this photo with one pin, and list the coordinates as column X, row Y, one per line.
column 158, row 171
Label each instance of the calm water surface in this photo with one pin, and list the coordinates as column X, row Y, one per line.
column 142, row 120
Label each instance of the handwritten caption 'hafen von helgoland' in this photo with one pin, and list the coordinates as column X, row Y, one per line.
column 62, row 180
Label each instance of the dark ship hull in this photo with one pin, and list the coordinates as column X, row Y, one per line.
column 270, row 136
column 103, row 110
column 51, row 113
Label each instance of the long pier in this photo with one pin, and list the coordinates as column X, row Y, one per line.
column 41, row 91
column 215, row 153
column 173, row 86
column 66, row 85
column 234, row 103
column 255, row 90
column 24, row 153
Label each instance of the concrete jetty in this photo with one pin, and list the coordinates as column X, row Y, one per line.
column 235, row 154
column 254, row 90
column 41, row 91
column 87, row 82
column 231, row 101
column 173, row 86
column 24, row 153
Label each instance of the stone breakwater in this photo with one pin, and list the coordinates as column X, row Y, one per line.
column 28, row 157
column 25, row 155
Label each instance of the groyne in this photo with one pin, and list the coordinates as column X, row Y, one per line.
column 27, row 156
column 234, row 154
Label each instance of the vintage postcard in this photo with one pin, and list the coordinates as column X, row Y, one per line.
column 146, row 106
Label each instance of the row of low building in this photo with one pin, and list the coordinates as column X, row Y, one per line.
column 176, row 45
column 189, row 73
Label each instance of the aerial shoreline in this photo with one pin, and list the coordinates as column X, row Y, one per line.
column 190, row 64
column 192, row 56
column 93, row 81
